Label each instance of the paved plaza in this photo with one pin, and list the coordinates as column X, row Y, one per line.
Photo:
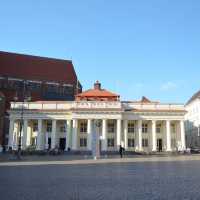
column 175, row 177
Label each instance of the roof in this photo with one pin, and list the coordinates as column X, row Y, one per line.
column 36, row 68
column 97, row 93
column 195, row 96
column 145, row 100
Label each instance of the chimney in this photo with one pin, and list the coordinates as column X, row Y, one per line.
column 97, row 85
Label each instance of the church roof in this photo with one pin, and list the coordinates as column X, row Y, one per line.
column 37, row 68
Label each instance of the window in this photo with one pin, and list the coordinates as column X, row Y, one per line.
column 62, row 128
column 173, row 142
column 111, row 127
column 158, row 128
column 35, row 127
column 144, row 142
column 49, row 127
column 144, row 128
column 33, row 141
column 173, row 128
column 83, row 142
column 83, row 127
column 131, row 142
column 131, row 127
column 110, row 142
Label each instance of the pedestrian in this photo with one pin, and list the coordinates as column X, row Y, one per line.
column 121, row 149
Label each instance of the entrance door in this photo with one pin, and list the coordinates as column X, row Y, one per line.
column 159, row 145
column 62, row 143
column 49, row 143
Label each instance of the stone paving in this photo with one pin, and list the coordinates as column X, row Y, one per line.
column 70, row 160
column 175, row 177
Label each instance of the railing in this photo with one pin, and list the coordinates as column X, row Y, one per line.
column 154, row 106
column 42, row 105
column 94, row 105
column 97, row 104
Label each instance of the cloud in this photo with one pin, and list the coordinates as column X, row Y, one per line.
column 168, row 86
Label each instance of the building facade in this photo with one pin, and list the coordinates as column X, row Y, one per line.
column 140, row 126
column 42, row 78
column 192, row 121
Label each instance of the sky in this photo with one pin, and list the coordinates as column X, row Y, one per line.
column 133, row 47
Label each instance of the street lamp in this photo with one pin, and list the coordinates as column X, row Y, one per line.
column 25, row 98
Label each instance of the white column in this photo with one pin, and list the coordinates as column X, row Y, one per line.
column 11, row 133
column 89, row 136
column 153, row 136
column 104, row 135
column 139, row 135
column 46, row 140
column 28, row 141
column 53, row 134
column 74, row 134
column 68, row 132
column 118, row 132
column 24, row 138
column 168, row 136
column 126, row 134
column 182, row 135
column 39, row 135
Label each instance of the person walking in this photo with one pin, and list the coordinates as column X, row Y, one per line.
column 121, row 151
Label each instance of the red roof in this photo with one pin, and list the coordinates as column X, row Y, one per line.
column 97, row 94
column 145, row 100
column 36, row 68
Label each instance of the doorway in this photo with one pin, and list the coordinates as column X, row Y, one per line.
column 62, row 143
column 159, row 145
column 49, row 143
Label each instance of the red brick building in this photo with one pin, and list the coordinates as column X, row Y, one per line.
column 41, row 78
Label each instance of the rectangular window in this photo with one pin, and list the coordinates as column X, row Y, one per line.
column 35, row 127
column 110, row 142
column 49, row 127
column 144, row 128
column 173, row 128
column 62, row 128
column 83, row 127
column 33, row 141
column 131, row 142
column 131, row 127
column 144, row 142
column 158, row 128
column 83, row 142
column 111, row 127
column 173, row 142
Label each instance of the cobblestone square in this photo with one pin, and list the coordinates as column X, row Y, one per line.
column 143, row 180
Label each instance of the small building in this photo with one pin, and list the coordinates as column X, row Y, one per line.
column 192, row 121
column 140, row 126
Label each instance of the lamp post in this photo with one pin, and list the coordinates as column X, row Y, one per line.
column 24, row 99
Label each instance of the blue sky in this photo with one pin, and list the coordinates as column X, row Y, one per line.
column 134, row 48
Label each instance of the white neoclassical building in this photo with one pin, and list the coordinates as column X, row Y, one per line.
column 192, row 121
column 141, row 126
